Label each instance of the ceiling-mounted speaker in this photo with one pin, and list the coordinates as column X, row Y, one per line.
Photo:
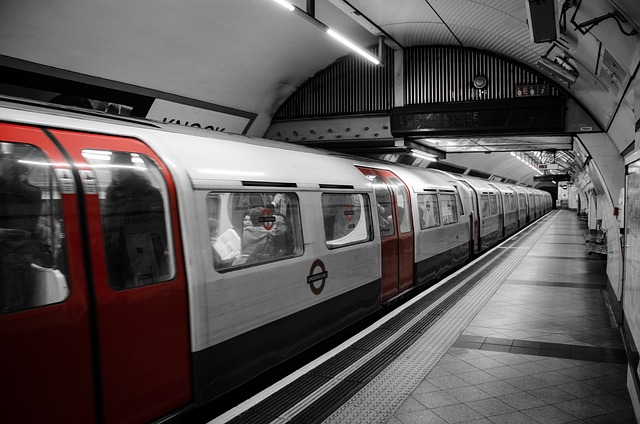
column 543, row 22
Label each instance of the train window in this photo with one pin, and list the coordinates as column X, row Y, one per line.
column 493, row 204
column 383, row 206
column 134, row 205
column 484, row 202
column 404, row 209
column 253, row 228
column 428, row 210
column 347, row 219
column 459, row 205
column 32, row 232
column 448, row 208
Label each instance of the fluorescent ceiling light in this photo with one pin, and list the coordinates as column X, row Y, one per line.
column 352, row 46
column 337, row 36
column 424, row 156
column 285, row 4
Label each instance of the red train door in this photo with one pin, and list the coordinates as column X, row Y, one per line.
column 46, row 352
column 396, row 231
column 138, row 273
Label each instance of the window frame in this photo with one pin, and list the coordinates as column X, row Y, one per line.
column 435, row 213
column 156, row 180
column 229, row 210
column 44, row 248
column 368, row 219
column 453, row 201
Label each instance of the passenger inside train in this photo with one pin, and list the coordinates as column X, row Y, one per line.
column 30, row 232
column 134, row 226
column 256, row 228
column 256, row 238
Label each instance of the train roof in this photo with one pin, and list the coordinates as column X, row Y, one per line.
column 208, row 157
column 423, row 179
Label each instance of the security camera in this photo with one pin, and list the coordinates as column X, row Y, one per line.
column 559, row 69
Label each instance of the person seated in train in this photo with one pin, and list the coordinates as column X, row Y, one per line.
column 20, row 244
column 282, row 239
column 260, row 243
column 226, row 246
column 134, row 227
column 246, row 221
column 253, row 236
column 276, row 243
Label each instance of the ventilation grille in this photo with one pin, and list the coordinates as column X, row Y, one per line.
column 444, row 74
column 351, row 85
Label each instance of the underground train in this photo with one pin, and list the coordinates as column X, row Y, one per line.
column 146, row 268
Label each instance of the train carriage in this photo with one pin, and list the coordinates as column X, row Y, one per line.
column 147, row 268
column 507, row 208
column 256, row 306
column 532, row 204
column 441, row 223
column 523, row 208
column 489, row 230
column 149, row 306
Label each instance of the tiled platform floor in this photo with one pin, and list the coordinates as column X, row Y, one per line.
column 542, row 349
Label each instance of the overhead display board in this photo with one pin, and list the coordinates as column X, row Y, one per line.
column 532, row 115
column 552, row 177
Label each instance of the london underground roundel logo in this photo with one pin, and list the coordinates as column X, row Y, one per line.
column 349, row 212
column 317, row 277
column 267, row 219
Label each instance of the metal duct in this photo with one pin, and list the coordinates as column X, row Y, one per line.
column 349, row 86
column 445, row 74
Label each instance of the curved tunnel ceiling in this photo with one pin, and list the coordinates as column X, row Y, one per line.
column 251, row 55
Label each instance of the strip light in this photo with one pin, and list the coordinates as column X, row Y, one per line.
column 285, row 4
column 353, row 46
column 521, row 159
column 329, row 31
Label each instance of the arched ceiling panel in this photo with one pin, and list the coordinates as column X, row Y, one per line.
column 244, row 54
column 413, row 33
column 251, row 55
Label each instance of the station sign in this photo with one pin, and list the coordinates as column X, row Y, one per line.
column 528, row 90
column 200, row 117
column 548, row 166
